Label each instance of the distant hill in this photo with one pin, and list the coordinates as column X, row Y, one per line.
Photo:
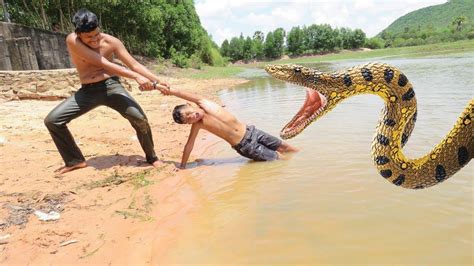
column 432, row 17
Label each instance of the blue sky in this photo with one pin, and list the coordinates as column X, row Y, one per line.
column 224, row 19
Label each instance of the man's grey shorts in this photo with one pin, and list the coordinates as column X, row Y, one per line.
column 258, row 145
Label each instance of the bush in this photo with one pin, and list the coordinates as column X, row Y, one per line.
column 470, row 35
column 375, row 43
column 195, row 61
column 210, row 54
column 216, row 58
column 179, row 59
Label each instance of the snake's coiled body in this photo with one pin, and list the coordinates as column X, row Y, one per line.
column 396, row 124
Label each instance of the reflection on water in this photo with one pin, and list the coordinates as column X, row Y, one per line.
column 328, row 204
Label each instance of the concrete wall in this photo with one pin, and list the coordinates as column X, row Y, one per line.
column 25, row 48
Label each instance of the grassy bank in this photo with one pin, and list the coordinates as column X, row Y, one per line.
column 405, row 52
column 399, row 52
column 209, row 72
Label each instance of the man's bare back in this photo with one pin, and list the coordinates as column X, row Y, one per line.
column 221, row 123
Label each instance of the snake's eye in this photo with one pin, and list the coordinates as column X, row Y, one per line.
column 297, row 70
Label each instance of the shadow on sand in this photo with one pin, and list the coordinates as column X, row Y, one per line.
column 108, row 161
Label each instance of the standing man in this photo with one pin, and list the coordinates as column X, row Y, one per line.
column 92, row 52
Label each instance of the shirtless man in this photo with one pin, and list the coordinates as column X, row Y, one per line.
column 246, row 140
column 92, row 53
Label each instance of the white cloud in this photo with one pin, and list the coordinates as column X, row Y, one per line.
column 225, row 19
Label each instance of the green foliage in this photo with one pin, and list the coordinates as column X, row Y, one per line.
column 273, row 46
column 258, row 39
column 375, row 43
column 248, row 49
column 168, row 29
column 212, row 72
column 300, row 41
column 225, row 48
column 470, row 35
column 179, row 59
column 236, row 47
column 210, row 54
column 195, row 61
column 295, row 41
column 441, row 23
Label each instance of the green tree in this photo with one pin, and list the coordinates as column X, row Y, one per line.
column 236, row 47
column 225, row 48
column 274, row 42
column 258, row 40
column 295, row 41
column 375, row 43
column 248, row 49
column 279, row 42
column 258, row 35
column 161, row 28
column 269, row 45
column 459, row 22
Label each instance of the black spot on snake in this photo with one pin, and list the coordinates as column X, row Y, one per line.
column 408, row 95
column 381, row 160
column 415, row 116
column 404, row 138
column 402, row 80
column 440, row 173
column 389, row 122
column 463, row 156
column 366, row 74
column 388, row 75
column 347, row 80
column 383, row 140
column 400, row 179
column 386, row 173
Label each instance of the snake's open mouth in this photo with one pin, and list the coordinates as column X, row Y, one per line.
column 313, row 105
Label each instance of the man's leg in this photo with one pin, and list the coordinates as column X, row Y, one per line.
column 56, row 122
column 285, row 147
column 273, row 143
column 119, row 100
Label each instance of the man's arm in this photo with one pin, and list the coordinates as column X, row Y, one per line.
column 189, row 144
column 124, row 56
column 79, row 49
column 188, row 96
column 207, row 105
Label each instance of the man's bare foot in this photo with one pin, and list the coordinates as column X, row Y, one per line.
column 285, row 147
column 66, row 169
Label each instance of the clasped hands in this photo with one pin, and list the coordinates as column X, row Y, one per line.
column 148, row 85
column 163, row 87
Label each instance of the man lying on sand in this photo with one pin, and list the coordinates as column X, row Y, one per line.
column 246, row 140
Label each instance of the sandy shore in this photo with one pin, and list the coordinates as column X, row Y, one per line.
column 116, row 211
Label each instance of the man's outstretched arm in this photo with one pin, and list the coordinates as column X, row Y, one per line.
column 189, row 145
column 188, row 96
column 122, row 54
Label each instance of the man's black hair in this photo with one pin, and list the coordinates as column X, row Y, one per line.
column 177, row 116
column 85, row 21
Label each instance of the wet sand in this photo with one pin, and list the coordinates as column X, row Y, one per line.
column 118, row 210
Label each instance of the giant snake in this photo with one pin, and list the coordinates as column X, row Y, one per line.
column 398, row 117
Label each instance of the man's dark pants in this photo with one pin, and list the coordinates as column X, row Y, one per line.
column 110, row 93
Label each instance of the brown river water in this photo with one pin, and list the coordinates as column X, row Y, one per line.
column 328, row 204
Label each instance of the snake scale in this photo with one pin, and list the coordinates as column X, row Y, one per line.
column 398, row 117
